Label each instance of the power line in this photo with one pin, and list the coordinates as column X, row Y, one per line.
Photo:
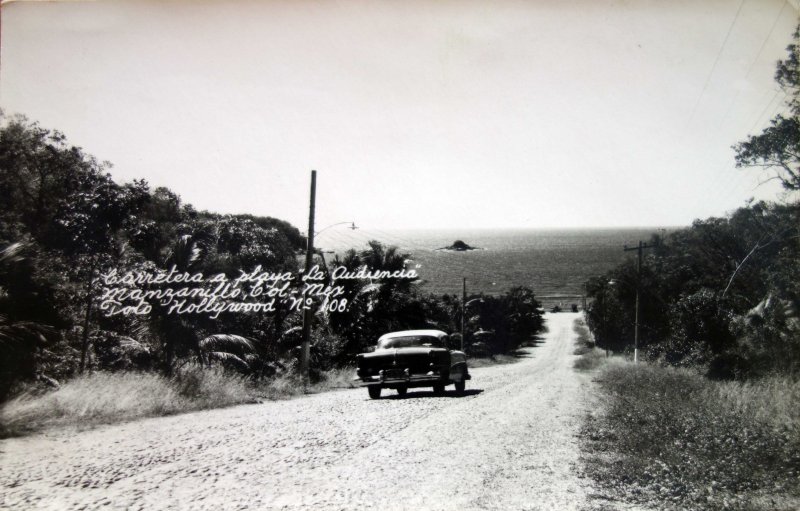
column 758, row 56
column 758, row 119
column 769, row 36
column 716, row 61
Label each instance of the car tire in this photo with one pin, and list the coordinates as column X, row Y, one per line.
column 374, row 391
column 401, row 391
column 438, row 389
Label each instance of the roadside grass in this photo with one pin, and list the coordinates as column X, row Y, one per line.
column 104, row 398
column 475, row 362
column 585, row 341
column 672, row 439
column 108, row 398
column 335, row 379
column 591, row 357
column 590, row 360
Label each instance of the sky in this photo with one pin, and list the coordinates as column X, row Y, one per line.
column 415, row 114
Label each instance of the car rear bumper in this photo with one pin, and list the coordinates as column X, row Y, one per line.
column 408, row 381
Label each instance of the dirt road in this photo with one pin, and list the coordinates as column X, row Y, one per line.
column 509, row 444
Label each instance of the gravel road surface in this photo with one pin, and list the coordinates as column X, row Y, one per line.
column 508, row 444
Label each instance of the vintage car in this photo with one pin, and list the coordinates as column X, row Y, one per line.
column 412, row 358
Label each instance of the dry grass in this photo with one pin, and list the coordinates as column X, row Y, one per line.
column 591, row 357
column 335, row 379
column 590, row 360
column 673, row 439
column 107, row 398
column 103, row 398
column 584, row 340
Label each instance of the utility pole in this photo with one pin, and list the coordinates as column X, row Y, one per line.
column 463, row 310
column 604, row 305
column 306, row 354
column 639, row 250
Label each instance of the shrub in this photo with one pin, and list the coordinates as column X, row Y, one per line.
column 590, row 360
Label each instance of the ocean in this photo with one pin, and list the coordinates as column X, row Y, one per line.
column 555, row 263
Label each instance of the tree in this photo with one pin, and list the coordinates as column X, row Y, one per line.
column 69, row 207
column 20, row 339
column 777, row 148
column 157, row 224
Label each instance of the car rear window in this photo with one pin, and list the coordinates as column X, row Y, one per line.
column 410, row 340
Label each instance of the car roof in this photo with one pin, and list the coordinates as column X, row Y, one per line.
column 408, row 333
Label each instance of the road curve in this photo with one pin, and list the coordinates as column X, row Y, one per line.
column 510, row 443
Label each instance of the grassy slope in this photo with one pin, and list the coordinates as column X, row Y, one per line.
column 672, row 439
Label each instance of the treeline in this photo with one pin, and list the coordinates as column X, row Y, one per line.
column 723, row 294
column 64, row 222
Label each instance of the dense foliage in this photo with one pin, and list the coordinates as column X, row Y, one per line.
column 723, row 294
column 64, row 222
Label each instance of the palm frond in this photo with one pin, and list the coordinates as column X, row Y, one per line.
column 131, row 345
column 370, row 288
column 18, row 333
column 141, row 329
column 224, row 356
column 13, row 253
column 120, row 248
column 183, row 253
column 222, row 341
column 292, row 330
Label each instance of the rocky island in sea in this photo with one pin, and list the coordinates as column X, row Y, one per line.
column 459, row 246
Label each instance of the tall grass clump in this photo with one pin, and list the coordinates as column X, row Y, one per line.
column 673, row 439
column 335, row 379
column 584, row 340
column 103, row 398
column 591, row 357
column 289, row 384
